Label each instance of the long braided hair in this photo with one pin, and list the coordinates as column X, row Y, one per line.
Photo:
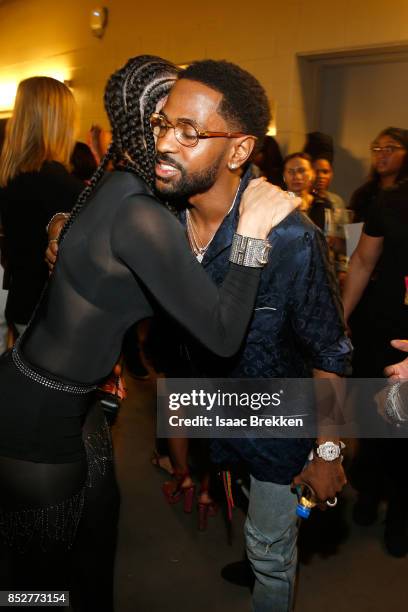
column 131, row 96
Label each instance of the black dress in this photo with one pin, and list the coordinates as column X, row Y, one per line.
column 379, row 467
column 27, row 204
column 124, row 257
column 386, row 313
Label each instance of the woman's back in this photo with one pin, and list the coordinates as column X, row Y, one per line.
column 91, row 298
column 26, row 205
column 125, row 256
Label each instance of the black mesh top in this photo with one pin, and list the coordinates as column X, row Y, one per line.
column 124, row 256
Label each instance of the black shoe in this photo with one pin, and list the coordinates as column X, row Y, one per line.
column 365, row 511
column 239, row 573
column 396, row 531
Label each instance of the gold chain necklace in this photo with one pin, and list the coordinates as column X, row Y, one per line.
column 196, row 245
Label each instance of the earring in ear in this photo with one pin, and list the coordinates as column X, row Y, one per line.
column 232, row 166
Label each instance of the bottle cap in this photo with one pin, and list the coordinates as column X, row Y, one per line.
column 303, row 511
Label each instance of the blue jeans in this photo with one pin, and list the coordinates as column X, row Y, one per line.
column 271, row 531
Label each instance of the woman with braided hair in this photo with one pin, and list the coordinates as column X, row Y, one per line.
column 122, row 254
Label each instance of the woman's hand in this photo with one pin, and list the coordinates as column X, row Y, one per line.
column 54, row 231
column 263, row 206
column 389, row 404
column 399, row 370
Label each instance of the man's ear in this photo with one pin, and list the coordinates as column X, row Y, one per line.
column 240, row 152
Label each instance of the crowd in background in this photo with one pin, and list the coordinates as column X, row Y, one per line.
column 374, row 281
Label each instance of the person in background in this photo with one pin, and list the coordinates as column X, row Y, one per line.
column 378, row 272
column 269, row 161
column 98, row 141
column 3, row 297
column 323, row 168
column 299, row 177
column 83, row 162
column 3, row 293
column 320, row 148
column 389, row 166
column 35, row 183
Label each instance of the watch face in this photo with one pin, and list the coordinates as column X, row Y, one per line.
column 329, row 451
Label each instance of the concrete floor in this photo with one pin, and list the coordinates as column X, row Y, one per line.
column 165, row 565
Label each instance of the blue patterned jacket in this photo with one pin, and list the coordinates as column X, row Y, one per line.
column 297, row 325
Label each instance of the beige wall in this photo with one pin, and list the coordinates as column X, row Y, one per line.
column 358, row 101
column 39, row 35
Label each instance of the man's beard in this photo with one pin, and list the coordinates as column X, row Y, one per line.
column 187, row 185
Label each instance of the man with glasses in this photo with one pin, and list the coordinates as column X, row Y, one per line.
column 213, row 121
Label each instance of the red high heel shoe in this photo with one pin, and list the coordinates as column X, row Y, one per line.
column 205, row 509
column 174, row 492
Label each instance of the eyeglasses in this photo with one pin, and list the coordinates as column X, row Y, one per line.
column 186, row 132
column 388, row 150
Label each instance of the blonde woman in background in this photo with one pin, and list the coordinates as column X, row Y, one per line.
column 34, row 184
column 3, row 294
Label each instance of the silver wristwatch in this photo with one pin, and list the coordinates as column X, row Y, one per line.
column 329, row 451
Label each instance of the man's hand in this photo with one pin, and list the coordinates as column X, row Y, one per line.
column 54, row 231
column 325, row 478
column 398, row 370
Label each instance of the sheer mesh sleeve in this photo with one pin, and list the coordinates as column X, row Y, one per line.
column 152, row 243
